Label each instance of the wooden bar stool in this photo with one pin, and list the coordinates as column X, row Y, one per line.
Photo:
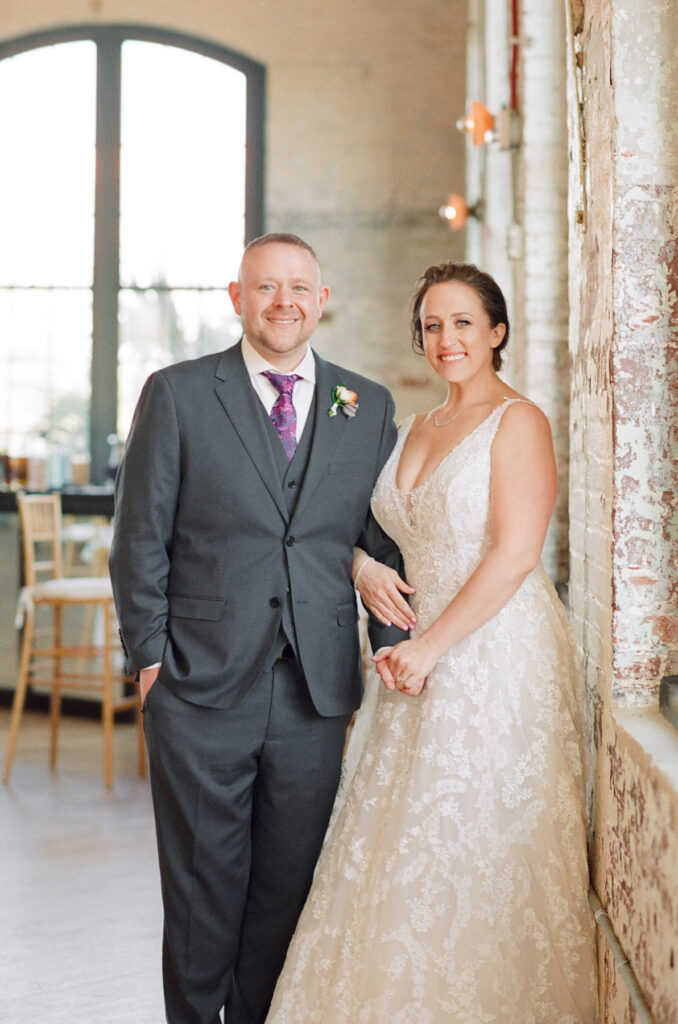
column 86, row 543
column 40, row 517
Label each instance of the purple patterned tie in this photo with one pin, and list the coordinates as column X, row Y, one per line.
column 283, row 415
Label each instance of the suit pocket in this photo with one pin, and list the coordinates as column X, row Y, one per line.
column 347, row 613
column 208, row 608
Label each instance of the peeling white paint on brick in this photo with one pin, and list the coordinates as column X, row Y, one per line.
column 623, row 530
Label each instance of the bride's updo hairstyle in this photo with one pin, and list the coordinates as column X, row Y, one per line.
column 485, row 287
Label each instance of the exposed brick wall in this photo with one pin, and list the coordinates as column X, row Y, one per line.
column 623, row 470
column 591, row 329
column 636, row 878
column 645, row 381
column 622, row 210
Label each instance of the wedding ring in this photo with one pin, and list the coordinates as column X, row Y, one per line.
column 399, row 679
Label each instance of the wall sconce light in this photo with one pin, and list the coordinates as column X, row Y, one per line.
column 456, row 211
column 481, row 126
column 478, row 123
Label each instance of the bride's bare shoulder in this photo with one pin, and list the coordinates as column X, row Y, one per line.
column 523, row 420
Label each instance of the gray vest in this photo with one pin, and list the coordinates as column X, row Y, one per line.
column 291, row 476
column 292, row 471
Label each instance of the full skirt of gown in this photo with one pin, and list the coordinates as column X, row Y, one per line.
column 452, row 886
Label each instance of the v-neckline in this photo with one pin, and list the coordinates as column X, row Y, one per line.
column 412, row 490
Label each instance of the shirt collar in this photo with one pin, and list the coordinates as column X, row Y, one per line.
column 255, row 363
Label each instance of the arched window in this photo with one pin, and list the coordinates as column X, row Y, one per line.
column 131, row 177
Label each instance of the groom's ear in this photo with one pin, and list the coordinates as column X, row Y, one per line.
column 234, row 292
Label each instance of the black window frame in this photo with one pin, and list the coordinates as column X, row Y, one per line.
column 105, row 283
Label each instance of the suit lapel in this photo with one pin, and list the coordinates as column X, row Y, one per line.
column 243, row 408
column 327, row 433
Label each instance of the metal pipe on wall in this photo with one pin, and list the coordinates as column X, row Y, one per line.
column 621, row 960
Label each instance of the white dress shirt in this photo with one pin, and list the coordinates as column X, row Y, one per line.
column 302, row 396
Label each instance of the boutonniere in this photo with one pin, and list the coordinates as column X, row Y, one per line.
column 344, row 399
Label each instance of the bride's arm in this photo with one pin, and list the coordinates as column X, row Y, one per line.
column 522, row 495
column 381, row 589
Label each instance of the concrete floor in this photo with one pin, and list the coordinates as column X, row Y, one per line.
column 80, row 913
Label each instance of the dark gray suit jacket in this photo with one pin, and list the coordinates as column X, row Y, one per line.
column 205, row 554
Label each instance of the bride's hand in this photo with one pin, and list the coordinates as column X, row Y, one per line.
column 380, row 659
column 381, row 590
column 408, row 665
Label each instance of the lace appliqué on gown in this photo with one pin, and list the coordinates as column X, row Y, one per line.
column 453, row 883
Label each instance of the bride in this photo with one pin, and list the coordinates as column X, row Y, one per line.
column 453, row 883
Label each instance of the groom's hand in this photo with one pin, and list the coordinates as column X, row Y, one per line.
column 147, row 678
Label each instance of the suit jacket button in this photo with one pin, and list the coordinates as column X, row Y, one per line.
column 292, row 483
column 289, row 541
column 274, row 602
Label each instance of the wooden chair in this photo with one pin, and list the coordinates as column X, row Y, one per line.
column 86, row 543
column 40, row 517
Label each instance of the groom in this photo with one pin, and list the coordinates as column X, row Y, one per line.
column 238, row 503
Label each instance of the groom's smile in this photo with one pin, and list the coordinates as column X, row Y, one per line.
column 279, row 298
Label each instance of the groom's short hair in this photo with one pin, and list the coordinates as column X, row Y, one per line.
column 281, row 238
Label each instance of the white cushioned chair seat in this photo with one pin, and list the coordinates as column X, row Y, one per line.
column 74, row 588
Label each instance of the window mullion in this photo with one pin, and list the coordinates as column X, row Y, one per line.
column 106, row 255
column 254, row 178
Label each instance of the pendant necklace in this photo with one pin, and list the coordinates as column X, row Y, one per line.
column 457, row 413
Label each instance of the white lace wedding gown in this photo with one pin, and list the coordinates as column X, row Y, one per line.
column 453, row 883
